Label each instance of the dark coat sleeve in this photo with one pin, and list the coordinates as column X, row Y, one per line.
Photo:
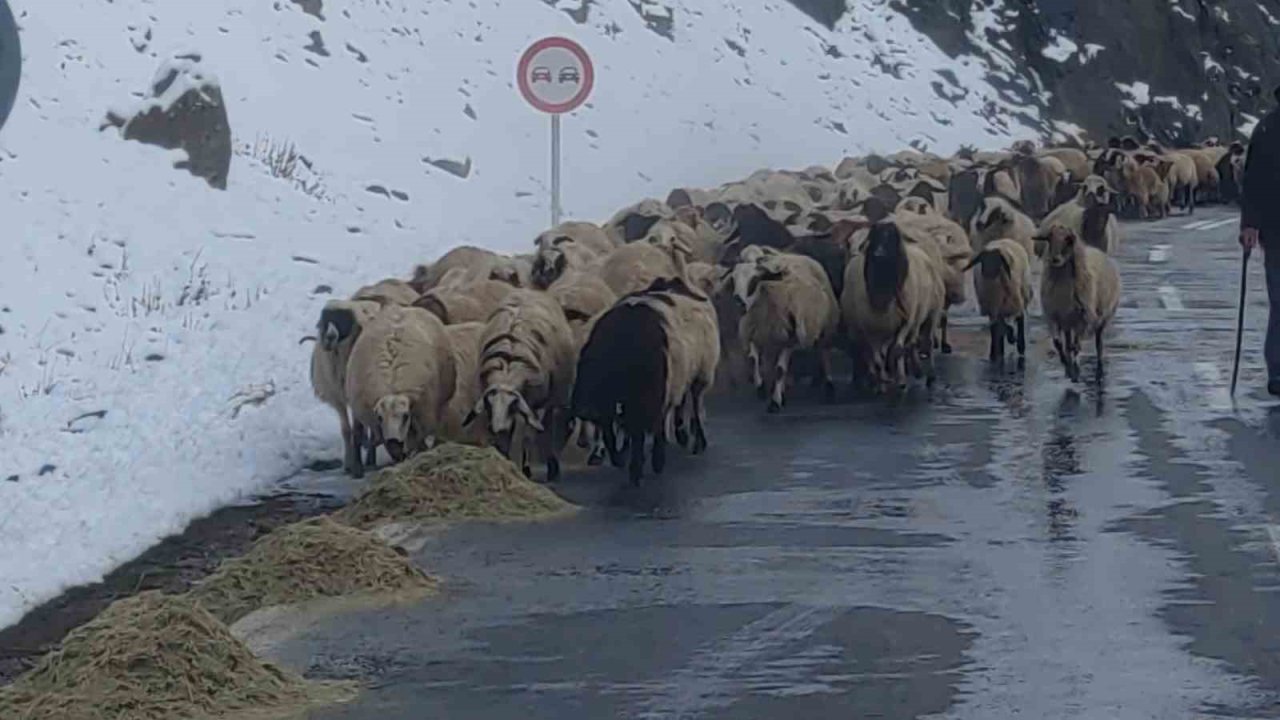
column 1262, row 178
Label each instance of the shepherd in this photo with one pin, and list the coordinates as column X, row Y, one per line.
column 1260, row 225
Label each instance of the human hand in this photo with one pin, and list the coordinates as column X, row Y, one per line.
column 1248, row 238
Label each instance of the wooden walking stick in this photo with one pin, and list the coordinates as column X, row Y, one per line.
column 1244, row 279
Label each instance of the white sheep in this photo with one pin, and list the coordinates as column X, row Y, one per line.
column 472, row 263
column 464, row 342
column 999, row 217
column 337, row 330
column 893, row 299
column 525, row 377
column 1090, row 216
column 400, row 379
column 946, row 241
column 790, row 307
column 1079, row 295
column 388, row 292
column 1002, row 285
column 465, row 302
column 567, row 248
column 634, row 267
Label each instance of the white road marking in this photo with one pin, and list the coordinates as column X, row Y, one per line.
column 1197, row 225
column 1215, row 388
column 1219, row 223
column 1170, row 298
column 710, row 678
column 1159, row 253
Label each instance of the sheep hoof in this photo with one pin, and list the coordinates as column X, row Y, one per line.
column 761, row 392
column 946, row 348
column 682, row 437
column 596, row 458
column 774, row 407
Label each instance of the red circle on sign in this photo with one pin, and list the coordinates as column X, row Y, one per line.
column 526, row 70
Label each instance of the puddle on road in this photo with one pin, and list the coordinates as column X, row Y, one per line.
column 707, row 661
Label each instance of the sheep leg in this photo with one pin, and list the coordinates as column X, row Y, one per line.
column 756, row 378
column 547, row 445
column 681, row 431
column 699, row 417
column 354, row 438
column 659, row 458
column 780, row 370
column 610, row 431
column 371, row 449
column 946, row 346
column 350, row 456
column 1097, row 344
column 997, row 336
column 598, row 451
column 637, row 458
column 1022, row 336
column 828, row 385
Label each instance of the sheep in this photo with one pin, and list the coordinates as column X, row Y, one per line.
column 526, row 373
column 464, row 343
column 463, row 303
column 1183, row 180
column 515, row 271
column 1144, row 184
column 582, row 296
column 649, row 358
column 948, row 244
column 400, row 379
column 1075, row 161
column 1038, row 178
column 1003, row 289
column 1230, row 168
column 790, row 307
column 893, row 298
column 475, row 263
column 569, row 246
column 999, row 217
column 1091, row 216
column 337, row 330
column 632, row 223
column 1002, row 180
column 388, row 292
column 633, row 267
column 1079, row 294
column 964, row 194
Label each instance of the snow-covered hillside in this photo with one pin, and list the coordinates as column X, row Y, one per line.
column 149, row 361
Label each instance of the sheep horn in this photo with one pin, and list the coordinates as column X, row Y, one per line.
column 305, row 338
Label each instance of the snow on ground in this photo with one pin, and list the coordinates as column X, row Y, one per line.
column 1138, row 94
column 1061, row 49
column 150, row 369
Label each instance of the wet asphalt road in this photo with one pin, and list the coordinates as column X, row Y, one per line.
column 1003, row 547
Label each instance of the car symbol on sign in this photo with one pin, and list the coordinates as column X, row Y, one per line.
column 541, row 73
column 569, row 74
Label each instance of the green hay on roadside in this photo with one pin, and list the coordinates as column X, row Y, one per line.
column 158, row 657
column 452, row 482
column 311, row 559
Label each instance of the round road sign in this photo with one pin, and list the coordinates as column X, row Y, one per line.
column 555, row 75
column 10, row 61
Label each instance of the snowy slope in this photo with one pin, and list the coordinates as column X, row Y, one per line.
column 171, row 312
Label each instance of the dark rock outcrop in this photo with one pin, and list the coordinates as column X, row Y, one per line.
column 1209, row 66
column 186, row 112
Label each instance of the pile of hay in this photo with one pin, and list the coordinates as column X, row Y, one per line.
column 306, row 560
column 157, row 657
column 451, row 482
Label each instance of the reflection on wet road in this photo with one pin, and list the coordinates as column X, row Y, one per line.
column 1005, row 546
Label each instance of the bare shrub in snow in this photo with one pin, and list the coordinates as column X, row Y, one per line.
column 282, row 159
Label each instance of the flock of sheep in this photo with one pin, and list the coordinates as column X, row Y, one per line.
column 614, row 333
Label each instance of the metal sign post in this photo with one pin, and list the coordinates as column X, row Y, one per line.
column 555, row 75
column 555, row 170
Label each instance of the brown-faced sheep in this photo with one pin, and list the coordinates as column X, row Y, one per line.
column 400, row 379
column 1002, row 284
column 1079, row 295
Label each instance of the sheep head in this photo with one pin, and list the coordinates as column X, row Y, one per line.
column 1061, row 246
column 395, row 418
column 336, row 324
column 501, row 407
column 549, row 264
column 886, row 265
column 915, row 205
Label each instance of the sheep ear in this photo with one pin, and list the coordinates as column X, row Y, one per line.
column 474, row 413
column 523, row 408
column 976, row 259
